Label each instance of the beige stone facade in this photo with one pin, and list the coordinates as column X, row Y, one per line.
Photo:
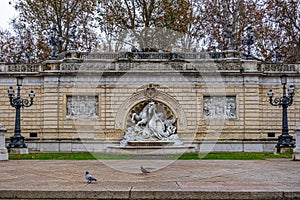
column 115, row 84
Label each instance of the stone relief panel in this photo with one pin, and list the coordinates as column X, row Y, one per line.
column 219, row 107
column 80, row 107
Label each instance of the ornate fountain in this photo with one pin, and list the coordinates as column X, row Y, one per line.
column 151, row 127
column 154, row 125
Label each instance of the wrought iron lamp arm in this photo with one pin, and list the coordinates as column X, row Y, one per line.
column 275, row 101
column 282, row 101
column 289, row 100
column 26, row 102
column 15, row 102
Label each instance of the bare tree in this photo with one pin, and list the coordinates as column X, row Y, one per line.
column 152, row 24
column 283, row 33
column 37, row 18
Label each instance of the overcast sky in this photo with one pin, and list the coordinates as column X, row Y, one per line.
column 6, row 12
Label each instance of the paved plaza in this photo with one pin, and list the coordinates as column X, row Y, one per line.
column 190, row 179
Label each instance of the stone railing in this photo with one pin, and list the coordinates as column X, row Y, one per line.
column 162, row 56
column 73, row 61
column 278, row 67
column 149, row 66
column 101, row 56
column 20, row 68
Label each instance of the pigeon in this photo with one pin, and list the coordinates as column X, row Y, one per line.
column 89, row 177
column 144, row 171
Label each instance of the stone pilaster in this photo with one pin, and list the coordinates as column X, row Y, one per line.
column 3, row 149
column 296, row 151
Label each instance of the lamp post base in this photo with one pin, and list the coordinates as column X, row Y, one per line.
column 18, row 151
column 285, row 141
column 17, row 141
column 285, row 145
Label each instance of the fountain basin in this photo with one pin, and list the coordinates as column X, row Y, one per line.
column 150, row 143
column 151, row 150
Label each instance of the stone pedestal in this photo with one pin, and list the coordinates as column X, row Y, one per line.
column 296, row 151
column 18, row 151
column 3, row 149
column 285, row 145
column 231, row 55
column 283, row 150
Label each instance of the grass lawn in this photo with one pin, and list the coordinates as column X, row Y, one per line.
column 68, row 156
column 101, row 156
column 233, row 156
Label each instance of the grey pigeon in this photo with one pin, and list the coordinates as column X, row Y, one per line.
column 144, row 171
column 89, row 177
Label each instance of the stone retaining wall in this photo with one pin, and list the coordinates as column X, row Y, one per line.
column 190, row 88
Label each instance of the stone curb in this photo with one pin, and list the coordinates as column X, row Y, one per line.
column 211, row 195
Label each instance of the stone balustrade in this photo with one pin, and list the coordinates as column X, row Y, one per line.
column 278, row 67
column 124, row 61
column 20, row 68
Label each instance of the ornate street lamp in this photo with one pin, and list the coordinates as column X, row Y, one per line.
column 229, row 35
column 284, row 140
column 17, row 140
column 249, row 40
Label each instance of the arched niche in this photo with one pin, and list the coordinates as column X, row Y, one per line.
column 136, row 102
